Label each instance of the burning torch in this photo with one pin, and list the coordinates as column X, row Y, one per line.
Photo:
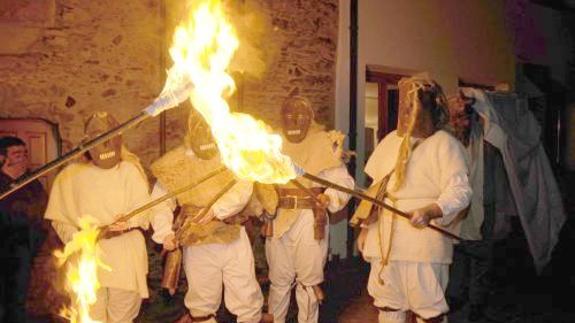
column 175, row 91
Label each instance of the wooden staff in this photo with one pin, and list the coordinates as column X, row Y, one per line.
column 167, row 100
column 157, row 201
column 379, row 203
column 173, row 263
column 205, row 210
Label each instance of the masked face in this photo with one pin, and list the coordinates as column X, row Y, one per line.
column 199, row 137
column 460, row 116
column 107, row 154
column 422, row 108
column 297, row 116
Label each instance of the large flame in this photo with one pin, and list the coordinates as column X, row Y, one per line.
column 203, row 47
column 80, row 256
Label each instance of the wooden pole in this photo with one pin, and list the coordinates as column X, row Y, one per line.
column 375, row 201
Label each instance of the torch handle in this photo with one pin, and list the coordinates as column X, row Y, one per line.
column 169, row 195
column 181, row 230
column 80, row 149
column 375, row 201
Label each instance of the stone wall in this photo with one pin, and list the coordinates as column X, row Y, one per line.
column 297, row 43
column 61, row 60
column 306, row 36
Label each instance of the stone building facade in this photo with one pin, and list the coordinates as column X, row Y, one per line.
column 62, row 60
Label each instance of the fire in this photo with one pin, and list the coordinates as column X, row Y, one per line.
column 203, row 47
column 80, row 256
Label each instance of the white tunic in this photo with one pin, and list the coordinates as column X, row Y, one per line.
column 295, row 254
column 105, row 194
column 436, row 173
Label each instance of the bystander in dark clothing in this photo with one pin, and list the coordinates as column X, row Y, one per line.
column 22, row 231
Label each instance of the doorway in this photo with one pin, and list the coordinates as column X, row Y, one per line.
column 381, row 105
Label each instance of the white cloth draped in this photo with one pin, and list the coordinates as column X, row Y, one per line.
column 512, row 128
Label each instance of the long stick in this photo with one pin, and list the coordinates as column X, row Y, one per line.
column 307, row 190
column 80, row 149
column 168, row 99
column 169, row 195
column 203, row 212
column 375, row 201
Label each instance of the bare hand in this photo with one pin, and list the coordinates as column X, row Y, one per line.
column 361, row 239
column 118, row 226
column 170, row 242
column 323, row 200
column 420, row 218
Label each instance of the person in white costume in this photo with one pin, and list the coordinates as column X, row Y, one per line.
column 217, row 253
column 110, row 184
column 419, row 169
column 297, row 249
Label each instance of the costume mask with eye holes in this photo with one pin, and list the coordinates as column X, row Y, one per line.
column 199, row 137
column 297, row 116
column 422, row 111
column 108, row 154
column 461, row 116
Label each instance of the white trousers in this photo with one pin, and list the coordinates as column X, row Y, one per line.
column 402, row 286
column 296, row 256
column 116, row 305
column 211, row 267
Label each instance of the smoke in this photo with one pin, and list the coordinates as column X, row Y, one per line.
column 255, row 32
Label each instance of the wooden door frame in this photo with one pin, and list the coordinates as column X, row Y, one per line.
column 383, row 81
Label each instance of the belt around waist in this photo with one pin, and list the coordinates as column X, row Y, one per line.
column 293, row 202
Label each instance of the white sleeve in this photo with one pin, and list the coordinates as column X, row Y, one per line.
column 340, row 176
column 454, row 198
column 162, row 216
column 234, row 200
column 453, row 180
column 64, row 231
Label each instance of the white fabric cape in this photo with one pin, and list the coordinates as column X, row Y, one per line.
column 512, row 128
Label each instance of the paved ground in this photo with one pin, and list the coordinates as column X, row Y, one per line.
column 517, row 294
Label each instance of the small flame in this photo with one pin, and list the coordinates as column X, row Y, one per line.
column 202, row 49
column 80, row 256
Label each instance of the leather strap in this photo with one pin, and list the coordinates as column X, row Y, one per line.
column 295, row 198
column 298, row 192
